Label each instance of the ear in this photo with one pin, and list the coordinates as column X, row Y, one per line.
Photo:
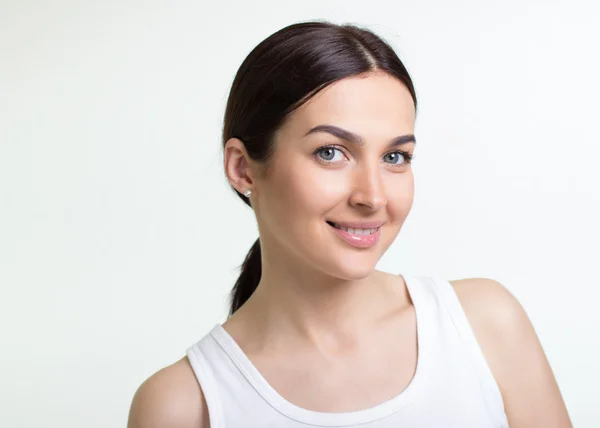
column 238, row 165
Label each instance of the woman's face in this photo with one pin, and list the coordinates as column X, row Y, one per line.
column 318, row 179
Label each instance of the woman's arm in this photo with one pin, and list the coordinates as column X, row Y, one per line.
column 514, row 353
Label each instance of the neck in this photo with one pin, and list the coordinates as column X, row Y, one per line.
column 296, row 302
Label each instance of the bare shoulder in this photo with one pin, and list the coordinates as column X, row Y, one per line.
column 489, row 305
column 170, row 398
column 514, row 353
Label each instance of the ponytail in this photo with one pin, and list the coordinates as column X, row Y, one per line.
column 248, row 279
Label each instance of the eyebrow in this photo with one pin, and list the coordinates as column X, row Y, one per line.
column 357, row 139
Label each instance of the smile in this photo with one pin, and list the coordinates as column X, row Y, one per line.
column 357, row 237
column 354, row 230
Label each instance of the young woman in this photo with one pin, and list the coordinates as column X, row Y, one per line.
column 318, row 141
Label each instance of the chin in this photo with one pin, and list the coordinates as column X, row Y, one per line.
column 349, row 269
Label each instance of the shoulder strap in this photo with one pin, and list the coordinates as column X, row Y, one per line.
column 451, row 304
column 199, row 360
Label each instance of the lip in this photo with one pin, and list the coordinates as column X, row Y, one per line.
column 358, row 241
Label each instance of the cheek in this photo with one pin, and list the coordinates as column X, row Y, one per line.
column 400, row 197
column 297, row 200
column 310, row 191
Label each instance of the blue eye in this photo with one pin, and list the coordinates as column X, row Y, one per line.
column 328, row 153
column 394, row 156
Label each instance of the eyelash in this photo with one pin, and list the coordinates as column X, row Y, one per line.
column 407, row 156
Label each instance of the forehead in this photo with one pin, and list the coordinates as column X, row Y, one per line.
column 375, row 104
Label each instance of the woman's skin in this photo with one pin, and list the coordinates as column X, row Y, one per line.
column 326, row 329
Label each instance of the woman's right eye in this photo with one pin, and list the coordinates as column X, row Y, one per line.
column 328, row 154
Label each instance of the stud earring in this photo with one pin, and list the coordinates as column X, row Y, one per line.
column 248, row 193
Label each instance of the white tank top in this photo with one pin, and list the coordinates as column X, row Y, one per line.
column 453, row 386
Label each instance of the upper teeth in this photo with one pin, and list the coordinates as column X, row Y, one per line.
column 356, row 231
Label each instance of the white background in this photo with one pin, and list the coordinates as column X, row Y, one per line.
column 120, row 238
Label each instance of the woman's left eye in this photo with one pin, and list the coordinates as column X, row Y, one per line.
column 395, row 157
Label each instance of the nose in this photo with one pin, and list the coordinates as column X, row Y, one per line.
column 368, row 190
